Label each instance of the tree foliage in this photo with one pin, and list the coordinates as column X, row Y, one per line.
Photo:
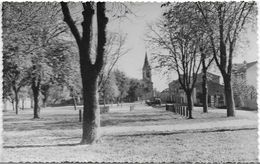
column 122, row 82
column 223, row 22
column 242, row 91
column 115, row 49
column 30, row 31
column 181, row 37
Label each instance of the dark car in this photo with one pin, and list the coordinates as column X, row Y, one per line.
column 155, row 101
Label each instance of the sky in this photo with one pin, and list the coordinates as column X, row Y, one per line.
column 136, row 27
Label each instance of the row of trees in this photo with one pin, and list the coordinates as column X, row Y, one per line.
column 38, row 53
column 41, row 60
column 120, row 88
column 31, row 36
column 193, row 34
column 116, row 88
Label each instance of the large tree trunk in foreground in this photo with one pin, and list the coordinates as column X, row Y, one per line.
column 190, row 103
column 230, row 103
column 89, row 70
column 91, row 114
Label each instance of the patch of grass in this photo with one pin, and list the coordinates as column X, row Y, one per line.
column 55, row 137
column 211, row 147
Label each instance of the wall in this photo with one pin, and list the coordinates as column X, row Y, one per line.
column 251, row 75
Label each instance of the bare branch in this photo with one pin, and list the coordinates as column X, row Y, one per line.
column 70, row 22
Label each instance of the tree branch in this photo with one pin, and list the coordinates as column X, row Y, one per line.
column 70, row 22
column 102, row 21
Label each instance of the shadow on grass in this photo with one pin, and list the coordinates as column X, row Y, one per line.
column 70, row 121
column 34, row 125
column 184, row 131
column 113, row 122
column 58, row 122
column 37, row 146
column 137, row 135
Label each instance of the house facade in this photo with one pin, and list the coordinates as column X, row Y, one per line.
column 176, row 94
column 244, row 79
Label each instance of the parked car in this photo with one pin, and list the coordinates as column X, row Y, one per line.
column 154, row 101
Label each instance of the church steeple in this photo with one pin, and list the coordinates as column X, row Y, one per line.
column 146, row 69
column 147, row 79
column 146, row 63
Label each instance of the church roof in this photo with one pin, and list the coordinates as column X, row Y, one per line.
column 251, row 64
column 243, row 66
column 146, row 62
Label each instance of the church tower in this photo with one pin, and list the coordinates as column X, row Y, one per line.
column 146, row 70
column 147, row 78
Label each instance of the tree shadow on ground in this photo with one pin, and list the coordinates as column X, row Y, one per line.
column 37, row 146
column 184, row 131
column 216, row 130
column 113, row 122
column 60, row 121
column 56, row 121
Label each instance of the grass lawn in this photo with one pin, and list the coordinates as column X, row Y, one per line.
column 56, row 135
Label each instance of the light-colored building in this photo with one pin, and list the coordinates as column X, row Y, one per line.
column 247, row 73
column 215, row 91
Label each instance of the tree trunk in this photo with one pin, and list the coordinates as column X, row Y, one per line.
column 45, row 97
column 90, row 74
column 91, row 114
column 230, row 103
column 16, row 101
column 22, row 104
column 89, row 71
column 104, row 99
column 31, row 99
column 36, row 92
column 205, row 91
column 36, row 107
column 74, row 102
column 44, row 102
column 190, row 103
column 13, row 104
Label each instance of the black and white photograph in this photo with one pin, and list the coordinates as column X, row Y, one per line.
column 136, row 82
